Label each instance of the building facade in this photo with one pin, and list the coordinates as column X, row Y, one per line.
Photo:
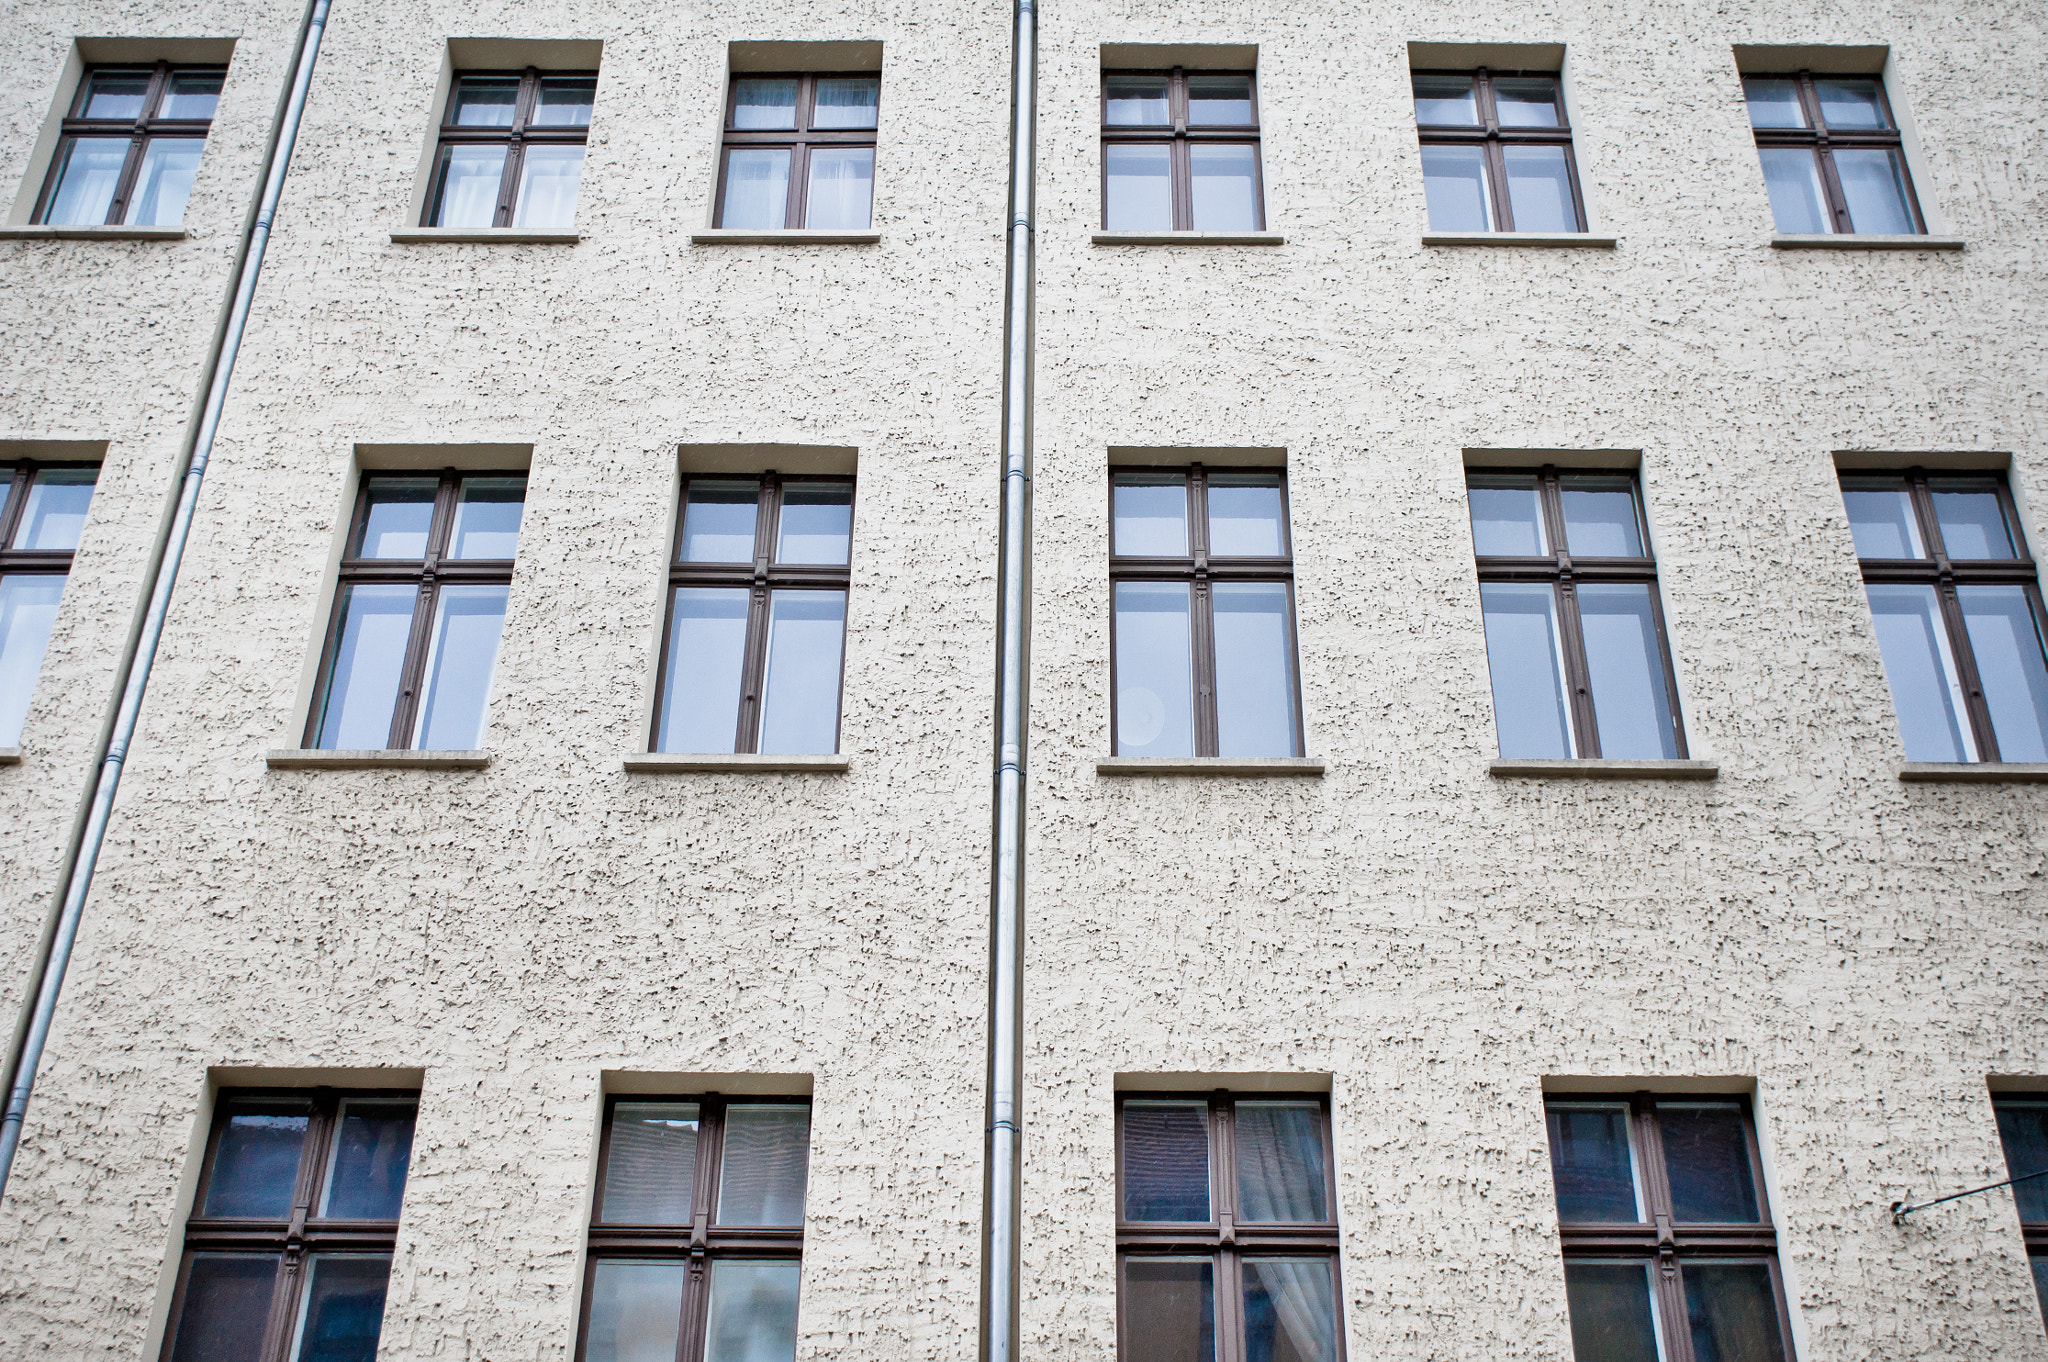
column 558, row 832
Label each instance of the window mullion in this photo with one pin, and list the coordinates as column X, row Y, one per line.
column 292, row 1267
column 1578, row 676
column 17, row 497
column 797, row 205
column 1201, row 614
column 753, row 661
column 1497, row 183
column 1951, row 608
column 124, row 187
column 411, row 669
column 703, row 1208
column 1230, row 1339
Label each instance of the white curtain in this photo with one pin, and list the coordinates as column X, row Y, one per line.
column 1303, row 1304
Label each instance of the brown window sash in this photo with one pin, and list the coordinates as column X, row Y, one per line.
column 800, row 140
column 2034, row 1232
column 18, row 477
column 522, row 133
column 1492, row 137
column 1179, row 135
column 139, row 130
column 1823, row 140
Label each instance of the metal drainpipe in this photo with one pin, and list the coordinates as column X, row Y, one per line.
column 1001, row 1265
column 41, row 1006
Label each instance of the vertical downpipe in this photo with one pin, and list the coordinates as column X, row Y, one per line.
column 40, row 1007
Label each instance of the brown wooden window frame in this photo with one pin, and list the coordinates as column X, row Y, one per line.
column 1227, row 1241
column 139, row 129
column 1818, row 137
column 522, row 133
column 800, row 140
column 1489, row 135
column 18, row 477
column 700, row 1243
column 1661, row 1241
column 2034, row 1233
column 1178, row 135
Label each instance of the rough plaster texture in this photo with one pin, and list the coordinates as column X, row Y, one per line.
column 1439, row 941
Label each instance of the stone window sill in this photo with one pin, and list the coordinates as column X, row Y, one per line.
column 1209, row 766
column 1600, row 768
column 387, row 759
column 10, row 756
column 1976, row 772
column 680, row 763
column 41, row 233
column 796, row 236
column 1872, row 241
column 493, row 236
column 1189, row 239
column 1519, row 239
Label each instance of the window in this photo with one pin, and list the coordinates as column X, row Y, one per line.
column 288, row 1248
column 1202, row 614
column 1226, row 1230
column 1669, row 1250
column 42, row 511
column 1496, row 152
column 1957, row 607
column 697, row 1239
column 130, row 146
column 1574, row 633
column 1831, row 154
column 1180, row 152
column 511, row 150
column 2023, row 1130
column 799, row 152
column 413, row 643
column 756, row 616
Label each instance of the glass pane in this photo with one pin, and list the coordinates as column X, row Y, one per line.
column 1140, row 193
column 7, row 482
column 1246, row 519
column 372, row 1151
column 718, row 522
column 756, row 188
column 1454, row 184
column 846, row 101
column 1166, row 1161
column 1625, row 663
column 1507, row 516
column 462, row 657
column 256, row 1164
column 1526, row 101
column 117, row 94
column 1137, row 101
column 1773, row 102
column 564, row 101
column 1219, row 101
column 1591, row 1165
column 192, row 94
column 1155, row 709
column 1927, row 692
column 485, row 101
column 1280, row 1162
column 1600, row 517
column 1792, row 176
column 549, row 178
column 227, row 1305
column 753, row 1311
column 1169, row 1310
column 1151, row 515
column 1972, row 522
column 398, row 514
column 800, row 690
column 764, row 103
column 1732, row 1313
column 1290, row 1310
column 466, row 190
column 1254, row 670
column 841, row 194
column 164, row 182
column 1881, row 518
column 817, row 523
column 1850, row 102
column 1706, row 1160
column 650, row 1168
column 362, row 688
column 2040, row 1265
column 90, row 168
column 2023, row 1130
column 487, row 516
column 1525, row 658
column 1224, row 187
column 1874, row 190
column 2007, row 643
column 762, row 1168
column 343, row 1308
column 1540, row 189
column 636, row 1310
column 1446, row 100
column 1613, row 1319
column 55, row 514
column 700, row 701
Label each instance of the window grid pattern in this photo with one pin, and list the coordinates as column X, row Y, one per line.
column 511, row 149
column 1205, row 124
column 42, row 511
column 1795, row 103
column 829, row 157
column 1527, row 158
column 164, row 113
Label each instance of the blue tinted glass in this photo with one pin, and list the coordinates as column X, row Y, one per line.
column 1600, row 517
column 54, row 517
column 2005, row 639
column 256, row 1166
column 1732, row 1313
column 1150, row 515
column 1166, row 1161
column 1612, row 1316
column 1591, row 1166
column 1169, row 1309
column 817, row 523
column 344, row 1308
column 718, row 522
column 1881, row 518
column 2023, row 1129
column 1290, row 1310
column 1706, row 1159
column 227, row 1305
column 397, row 515
column 1972, row 522
column 372, row 1151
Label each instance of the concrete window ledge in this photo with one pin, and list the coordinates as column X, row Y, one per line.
column 1870, row 241
column 1600, row 768
column 491, row 236
column 1209, row 766
column 1976, row 772
column 794, row 236
column 387, row 759
column 1519, row 239
column 10, row 756
column 679, row 763
column 1189, row 239
column 92, row 233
